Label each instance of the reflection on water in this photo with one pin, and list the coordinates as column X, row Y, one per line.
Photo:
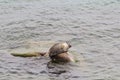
column 92, row 27
column 62, row 71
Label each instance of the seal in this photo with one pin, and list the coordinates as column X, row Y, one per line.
column 59, row 52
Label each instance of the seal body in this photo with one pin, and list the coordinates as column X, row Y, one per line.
column 58, row 52
column 63, row 57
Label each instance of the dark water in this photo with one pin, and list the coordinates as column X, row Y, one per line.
column 92, row 27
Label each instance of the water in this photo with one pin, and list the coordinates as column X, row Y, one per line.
column 92, row 27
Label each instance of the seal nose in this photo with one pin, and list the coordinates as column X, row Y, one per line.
column 70, row 46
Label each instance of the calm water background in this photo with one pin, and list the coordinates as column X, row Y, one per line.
column 92, row 27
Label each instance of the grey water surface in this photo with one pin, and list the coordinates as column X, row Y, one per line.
column 91, row 26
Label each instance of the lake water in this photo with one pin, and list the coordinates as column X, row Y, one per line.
column 91, row 26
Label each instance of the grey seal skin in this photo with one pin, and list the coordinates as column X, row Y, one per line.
column 59, row 51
